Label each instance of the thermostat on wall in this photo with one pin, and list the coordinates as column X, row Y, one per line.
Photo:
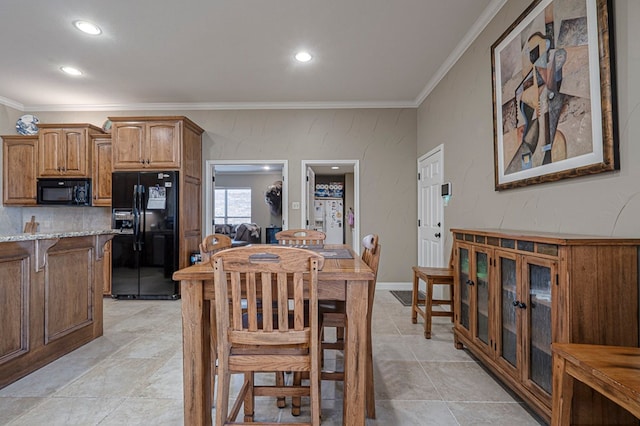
column 445, row 189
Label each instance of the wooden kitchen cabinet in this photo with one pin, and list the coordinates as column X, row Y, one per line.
column 64, row 150
column 19, row 169
column 147, row 144
column 518, row 292
column 101, row 170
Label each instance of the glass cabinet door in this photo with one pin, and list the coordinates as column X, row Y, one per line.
column 464, row 275
column 538, row 287
column 507, row 305
column 481, row 285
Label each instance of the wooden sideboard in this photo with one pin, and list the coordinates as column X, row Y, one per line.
column 517, row 292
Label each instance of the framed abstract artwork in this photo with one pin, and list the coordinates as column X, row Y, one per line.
column 554, row 94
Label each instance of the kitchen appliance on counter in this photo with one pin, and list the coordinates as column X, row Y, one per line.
column 145, row 251
column 65, row 192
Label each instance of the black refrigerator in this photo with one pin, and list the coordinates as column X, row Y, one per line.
column 145, row 250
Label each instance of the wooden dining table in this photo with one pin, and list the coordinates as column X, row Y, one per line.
column 341, row 278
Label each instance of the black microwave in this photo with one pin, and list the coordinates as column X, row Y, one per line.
column 68, row 192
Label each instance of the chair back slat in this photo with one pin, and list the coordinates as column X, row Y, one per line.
column 267, row 301
column 296, row 237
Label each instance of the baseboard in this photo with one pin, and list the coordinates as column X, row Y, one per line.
column 394, row 286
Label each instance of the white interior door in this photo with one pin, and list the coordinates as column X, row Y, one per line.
column 310, row 197
column 430, row 209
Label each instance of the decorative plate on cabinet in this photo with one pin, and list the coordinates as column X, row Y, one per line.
column 27, row 125
column 106, row 126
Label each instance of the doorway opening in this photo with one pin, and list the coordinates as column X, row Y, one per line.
column 338, row 180
column 255, row 189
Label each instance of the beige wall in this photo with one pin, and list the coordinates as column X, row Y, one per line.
column 458, row 114
column 384, row 140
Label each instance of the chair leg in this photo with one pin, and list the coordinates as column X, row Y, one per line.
column 369, row 384
column 280, row 383
column 222, row 401
column 428, row 307
column 296, row 401
column 250, row 398
column 414, row 300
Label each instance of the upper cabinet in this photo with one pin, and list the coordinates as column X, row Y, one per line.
column 147, row 143
column 101, row 176
column 65, row 150
column 20, row 163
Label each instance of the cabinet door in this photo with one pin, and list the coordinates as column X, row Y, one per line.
column 101, row 172
column 128, row 141
column 480, row 287
column 74, row 153
column 463, row 292
column 506, row 305
column 20, row 166
column 49, row 153
column 106, row 272
column 535, row 305
column 163, row 145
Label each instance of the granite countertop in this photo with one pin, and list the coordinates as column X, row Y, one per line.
column 53, row 235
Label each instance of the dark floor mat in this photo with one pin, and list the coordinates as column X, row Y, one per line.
column 404, row 296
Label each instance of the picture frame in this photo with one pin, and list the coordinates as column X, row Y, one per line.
column 554, row 109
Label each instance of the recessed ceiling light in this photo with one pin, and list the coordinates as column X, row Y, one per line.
column 303, row 56
column 335, row 168
column 87, row 27
column 71, row 71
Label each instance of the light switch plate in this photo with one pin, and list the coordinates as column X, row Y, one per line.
column 295, row 205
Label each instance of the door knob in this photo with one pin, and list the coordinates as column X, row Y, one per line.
column 439, row 225
column 437, row 235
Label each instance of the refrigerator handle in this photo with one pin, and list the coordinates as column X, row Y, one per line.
column 136, row 217
column 141, row 216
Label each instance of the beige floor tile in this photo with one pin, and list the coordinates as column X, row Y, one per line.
column 133, row 375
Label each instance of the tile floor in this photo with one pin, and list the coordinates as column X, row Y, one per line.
column 133, row 375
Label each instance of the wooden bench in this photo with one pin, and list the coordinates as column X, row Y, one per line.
column 614, row 371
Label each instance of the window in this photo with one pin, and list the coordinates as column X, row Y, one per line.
column 232, row 206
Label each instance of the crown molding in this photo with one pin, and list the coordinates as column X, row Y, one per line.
column 11, row 103
column 483, row 20
column 218, row 106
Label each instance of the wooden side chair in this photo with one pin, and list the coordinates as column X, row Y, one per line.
column 259, row 330
column 424, row 306
column 334, row 316
column 212, row 244
column 300, row 237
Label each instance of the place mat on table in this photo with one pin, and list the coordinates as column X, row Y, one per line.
column 333, row 253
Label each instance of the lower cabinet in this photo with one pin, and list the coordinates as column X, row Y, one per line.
column 519, row 292
column 50, row 300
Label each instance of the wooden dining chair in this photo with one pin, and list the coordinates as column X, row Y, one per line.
column 259, row 330
column 213, row 243
column 423, row 306
column 300, row 237
column 335, row 316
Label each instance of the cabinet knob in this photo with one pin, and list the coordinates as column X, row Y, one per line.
column 469, row 282
column 516, row 303
column 522, row 305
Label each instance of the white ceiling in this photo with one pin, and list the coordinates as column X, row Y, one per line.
column 208, row 54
